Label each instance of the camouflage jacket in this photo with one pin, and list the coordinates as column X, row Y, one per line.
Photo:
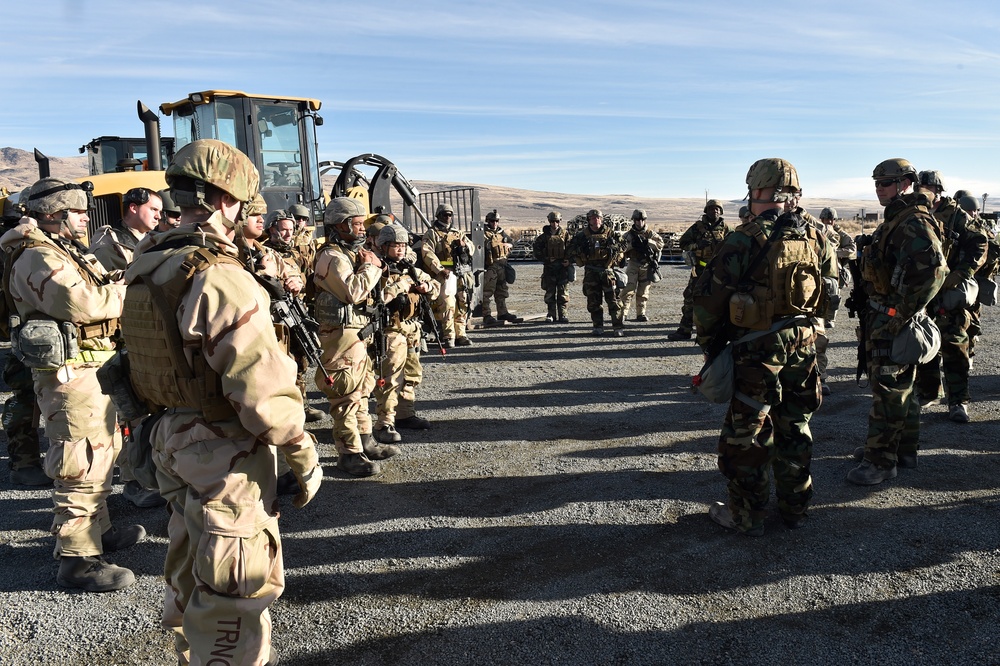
column 601, row 249
column 55, row 278
column 224, row 317
column 271, row 263
column 906, row 251
column 341, row 281
column 397, row 279
column 634, row 246
column 114, row 248
column 496, row 245
column 435, row 251
column 728, row 272
column 550, row 246
column 704, row 239
column 963, row 243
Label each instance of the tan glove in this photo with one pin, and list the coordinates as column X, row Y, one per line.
column 304, row 463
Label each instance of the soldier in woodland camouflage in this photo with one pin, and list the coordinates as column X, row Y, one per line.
column 700, row 243
column 225, row 396
column 20, row 412
column 597, row 249
column 640, row 243
column 497, row 246
column 903, row 268
column 986, row 273
column 346, row 278
column 550, row 248
column 52, row 281
column 964, row 246
column 746, row 297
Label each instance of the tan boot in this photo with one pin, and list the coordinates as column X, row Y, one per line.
column 357, row 464
column 93, row 574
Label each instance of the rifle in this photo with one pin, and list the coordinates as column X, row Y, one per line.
column 652, row 257
column 376, row 329
column 857, row 304
column 462, row 258
column 428, row 322
column 289, row 310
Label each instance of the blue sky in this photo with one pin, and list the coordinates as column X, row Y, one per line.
column 651, row 98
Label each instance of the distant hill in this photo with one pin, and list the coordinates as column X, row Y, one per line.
column 519, row 209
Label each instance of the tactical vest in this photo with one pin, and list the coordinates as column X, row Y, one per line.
column 710, row 240
column 99, row 329
column 877, row 266
column 601, row 247
column 161, row 374
column 442, row 245
column 788, row 282
column 496, row 248
column 331, row 311
column 555, row 245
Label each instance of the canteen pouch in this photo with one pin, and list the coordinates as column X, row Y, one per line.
column 717, row 380
column 44, row 344
column 917, row 342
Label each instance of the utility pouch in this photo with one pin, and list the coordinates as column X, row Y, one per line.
column 749, row 310
column 871, row 270
column 509, row 274
column 116, row 383
column 42, row 344
column 329, row 310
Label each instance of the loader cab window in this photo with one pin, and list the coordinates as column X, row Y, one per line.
column 278, row 135
column 221, row 119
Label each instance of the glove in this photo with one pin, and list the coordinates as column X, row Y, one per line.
column 399, row 305
column 304, row 463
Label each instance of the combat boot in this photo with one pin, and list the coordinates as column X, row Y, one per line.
column 958, row 413
column 376, row 451
column 288, row 484
column 512, row 318
column 357, row 464
column 33, row 475
column 117, row 539
column 313, row 415
column 562, row 319
column 641, row 317
column 490, row 321
column 618, row 326
column 463, row 341
column 722, row 515
column 414, row 423
column 869, row 474
column 551, row 316
column 680, row 334
column 93, row 574
column 143, row 498
column 387, row 434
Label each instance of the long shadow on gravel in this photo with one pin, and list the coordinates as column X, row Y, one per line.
column 937, row 628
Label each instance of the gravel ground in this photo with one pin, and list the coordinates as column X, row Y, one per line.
column 556, row 514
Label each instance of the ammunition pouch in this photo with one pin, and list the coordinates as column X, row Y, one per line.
column 330, row 311
column 116, row 383
column 43, row 344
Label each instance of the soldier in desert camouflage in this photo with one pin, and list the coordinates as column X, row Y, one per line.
column 211, row 363
column 61, row 291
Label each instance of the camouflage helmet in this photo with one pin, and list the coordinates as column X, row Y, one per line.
column 828, row 214
column 444, row 208
column 493, row 216
column 280, row 214
column 53, row 195
column 897, row 168
column 713, row 203
column 554, row 217
column 772, row 172
column 169, row 207
column 930, row 179
column 298, row 210
column 392, row 233
column 341, row 209
column 594, row 212
column 215, row 163
column 638, row 214
column 958, row 194
column 744, row 211
column 968, row 204
column 257, row 206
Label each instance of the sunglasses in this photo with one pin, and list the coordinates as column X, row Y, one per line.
column 886, row 182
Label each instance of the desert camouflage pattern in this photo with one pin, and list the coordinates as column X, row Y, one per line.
column 639, row 275
column 114, row 248
column 402, row 340
column 345, row 355
column 20, row 415
column 217, row 163
column 766, row 429
column 224, row 562
column 597, row 252
column 497, row 246
column 702, row 239
column 79, row 421
column 913, row 257
column 435, row 254
column 965, row 248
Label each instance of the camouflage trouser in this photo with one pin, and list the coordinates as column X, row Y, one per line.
column 300, row 381
column 768, row 429
column 687, row 309
column 599, row 288
column 637, row 287
column 353, row 382
column 413, row 374
column 555, row 285
column 20, row 416
column 822, row 344
column 975, row 326
column 954, row 356
column 84, row 441
column 894, row 419
column 452, row 311
column 387, row 395
column 495, row 287
column 224, row 561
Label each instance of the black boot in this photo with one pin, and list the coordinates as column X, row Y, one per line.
column 93, row 574
column 376, row 451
